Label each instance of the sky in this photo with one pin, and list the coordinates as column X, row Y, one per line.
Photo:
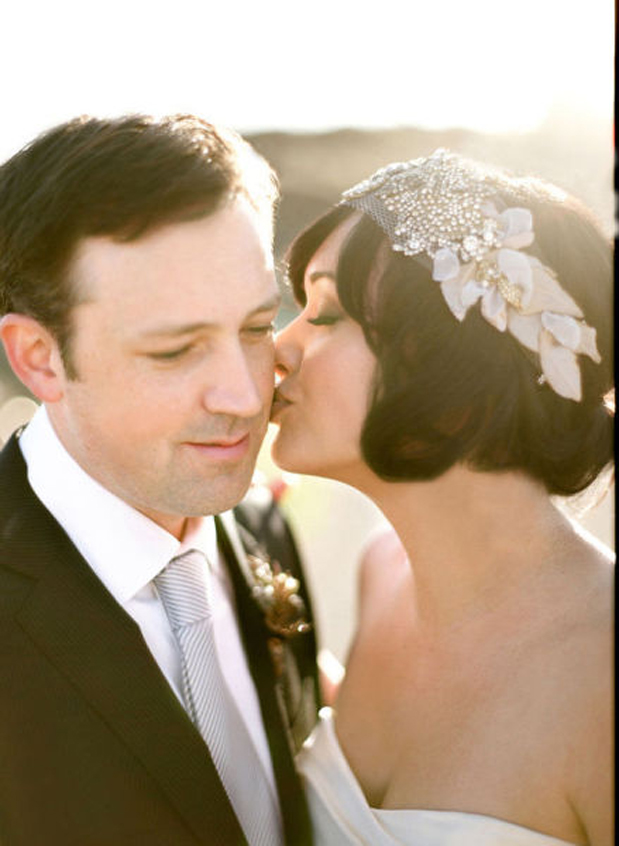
column 261, row 65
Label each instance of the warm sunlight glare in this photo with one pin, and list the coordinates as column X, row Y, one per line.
column 275, row 65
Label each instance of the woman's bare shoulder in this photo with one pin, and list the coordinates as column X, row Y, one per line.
column 591, row 572
column 383, row 562
column 591, row 740
column 382, row 548
column 587, row 665
column 382, row 553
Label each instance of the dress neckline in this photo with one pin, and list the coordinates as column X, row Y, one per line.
column 327, row 724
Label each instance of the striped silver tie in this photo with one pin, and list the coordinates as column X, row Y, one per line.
column 184, row 591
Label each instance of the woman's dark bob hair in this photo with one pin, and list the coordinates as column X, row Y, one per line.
column 448, row 392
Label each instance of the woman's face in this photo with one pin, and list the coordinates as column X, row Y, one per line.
column 326, row 371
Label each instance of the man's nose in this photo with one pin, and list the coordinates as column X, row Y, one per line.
column 233, row 389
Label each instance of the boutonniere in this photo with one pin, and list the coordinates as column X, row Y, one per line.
column 277, row 594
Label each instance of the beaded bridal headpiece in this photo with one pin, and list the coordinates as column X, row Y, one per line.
column 444, row 208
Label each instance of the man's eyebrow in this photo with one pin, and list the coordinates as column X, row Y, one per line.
column 321, row 274
column 268, row 305
column 173, row 331
column 168, row 331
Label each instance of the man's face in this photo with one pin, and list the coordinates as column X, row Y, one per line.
column 173, row 351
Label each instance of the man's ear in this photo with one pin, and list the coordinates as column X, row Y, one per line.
column 33, row 354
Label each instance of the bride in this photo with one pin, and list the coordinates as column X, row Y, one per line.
column 452, row 360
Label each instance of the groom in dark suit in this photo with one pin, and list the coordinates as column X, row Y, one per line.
column 138, row 293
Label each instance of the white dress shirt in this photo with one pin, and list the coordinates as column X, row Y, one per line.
column 126, row 550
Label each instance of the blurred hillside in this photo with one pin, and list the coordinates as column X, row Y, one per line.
column 315, row 168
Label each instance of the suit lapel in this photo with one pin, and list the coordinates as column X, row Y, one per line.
column 255, row 637
column 94, row 643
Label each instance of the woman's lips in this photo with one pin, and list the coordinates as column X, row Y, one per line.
column 222, row 449
column 280, row 403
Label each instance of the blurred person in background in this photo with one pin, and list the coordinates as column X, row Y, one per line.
column 156, row 680
column 452, row 360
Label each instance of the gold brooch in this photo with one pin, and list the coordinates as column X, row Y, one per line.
column 277, row 593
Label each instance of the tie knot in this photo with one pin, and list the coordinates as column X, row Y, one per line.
column 183, row 588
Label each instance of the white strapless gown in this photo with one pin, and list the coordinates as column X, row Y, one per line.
column 342, row 817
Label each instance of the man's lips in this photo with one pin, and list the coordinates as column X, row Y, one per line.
column 221, row 448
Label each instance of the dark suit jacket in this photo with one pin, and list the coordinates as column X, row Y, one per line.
column 95, row 749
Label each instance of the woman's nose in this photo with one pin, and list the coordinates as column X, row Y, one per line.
column 288, row 349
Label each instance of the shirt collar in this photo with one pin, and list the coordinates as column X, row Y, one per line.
column 125, row 548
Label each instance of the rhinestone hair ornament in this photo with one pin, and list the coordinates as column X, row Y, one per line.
column 444, row 209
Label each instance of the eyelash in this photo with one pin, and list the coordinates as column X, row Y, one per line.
column 169, row 355
column 261, row 331
column 325, row 319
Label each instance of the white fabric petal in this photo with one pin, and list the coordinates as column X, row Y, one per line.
column 471, row 292
column 452, row 290
column 564, row 329
column 446, row 265
column 518, row 270
column 548, row 295
column 516, row 242
column 468, row 272
column 525, row 328
column 516, row 220
column 588, row 343
column 560, row 367
column 517, row 226
column 488, row 209
column 494, row 309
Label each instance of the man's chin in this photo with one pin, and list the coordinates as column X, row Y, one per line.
column 222, row 497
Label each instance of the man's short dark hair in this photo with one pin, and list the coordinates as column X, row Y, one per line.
column 448, row 392
column 118, row 178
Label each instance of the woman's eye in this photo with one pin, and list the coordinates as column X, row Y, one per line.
column 325, row 319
